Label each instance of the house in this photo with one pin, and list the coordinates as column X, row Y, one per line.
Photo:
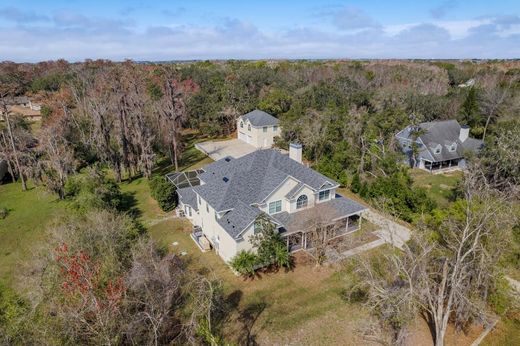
column 231, row 193
column 258, row 128
column 439, row 145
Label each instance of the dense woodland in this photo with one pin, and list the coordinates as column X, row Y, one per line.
column 128, row 118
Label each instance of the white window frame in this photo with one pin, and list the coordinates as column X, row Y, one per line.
column 264, row 129
column 276, row 207
column 303, row 203
column 275, row 128
column 248, row 127
column 322, row 197
column 241, row 124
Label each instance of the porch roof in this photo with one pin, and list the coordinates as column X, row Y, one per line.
column 323, row 213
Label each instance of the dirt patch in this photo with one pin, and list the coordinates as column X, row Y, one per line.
column 420, row 335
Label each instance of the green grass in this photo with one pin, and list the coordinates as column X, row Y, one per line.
column 282, row 302
column 438, row 186
column 29, row 214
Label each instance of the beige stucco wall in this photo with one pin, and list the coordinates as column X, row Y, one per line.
column 212, row 230
column 304, row 191
column 280, row 195
column 259, row 138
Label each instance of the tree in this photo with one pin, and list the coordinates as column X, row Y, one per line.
column 244, row 263
column 56, row 161
column 449, row 268
column 11, row 139
column 163, row 192
column 173, row 111
column 268, row 244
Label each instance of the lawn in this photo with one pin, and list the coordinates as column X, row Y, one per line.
column 439, row 186
column 303, row 305
column 24, row 227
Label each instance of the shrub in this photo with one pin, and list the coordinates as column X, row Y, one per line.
column 163, row 192
column 93, row 190
column 244, row 263
column 3, row 212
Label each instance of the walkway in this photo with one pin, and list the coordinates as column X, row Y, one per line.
column 390, row 232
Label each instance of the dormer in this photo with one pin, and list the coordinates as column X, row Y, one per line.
column 452, row 147
column 436, row 148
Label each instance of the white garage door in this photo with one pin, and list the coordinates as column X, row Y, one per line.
column 242, row 136
column 248, row 139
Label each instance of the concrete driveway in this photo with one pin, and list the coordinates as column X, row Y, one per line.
column 218, row 150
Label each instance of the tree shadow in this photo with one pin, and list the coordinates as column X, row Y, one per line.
column 248, row 318
column 129, row 204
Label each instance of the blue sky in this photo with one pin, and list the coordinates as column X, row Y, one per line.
column 34, row 30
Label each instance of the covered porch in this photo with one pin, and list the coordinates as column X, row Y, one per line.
column 303, row 240
column 439, row 166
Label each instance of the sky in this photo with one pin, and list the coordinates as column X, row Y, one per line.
column 36, row 30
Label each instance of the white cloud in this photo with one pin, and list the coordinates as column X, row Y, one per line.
column 75, row 37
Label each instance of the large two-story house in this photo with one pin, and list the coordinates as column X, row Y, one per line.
column 258, row 128
column 437, row 146
column 228, row 195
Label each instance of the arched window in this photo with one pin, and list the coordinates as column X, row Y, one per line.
column 249, row 127
column 301, row 202
column 242, row 124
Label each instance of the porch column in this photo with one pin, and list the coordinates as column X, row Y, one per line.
column 304, row 240
column 359, row 221
column 288, row 243
column 348, row 217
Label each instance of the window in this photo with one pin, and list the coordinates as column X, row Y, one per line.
column 275, row 207
column 207, row 207
column 242, row 124
column 216, row 218
column 324, row 195
column 198, row 199
column 264, row 128
column 301, row 202
column 453, row 147
column 249, row 127
column 258, row 227
column 189, row 211
column 275, row 128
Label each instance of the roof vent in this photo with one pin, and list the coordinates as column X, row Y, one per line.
column 227, row 159
column 225, row 179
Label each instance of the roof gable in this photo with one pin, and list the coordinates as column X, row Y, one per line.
column 260, row 118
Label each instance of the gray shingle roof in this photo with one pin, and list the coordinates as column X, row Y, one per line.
column 325, row 212
column 235, row 185
column 443, row 133
column 236, row 220
column 294, row 190
column 260, row 118
column 254, row 177
column 188, row 196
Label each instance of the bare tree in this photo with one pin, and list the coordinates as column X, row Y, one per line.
column 173, row 111
column 447, row 271
column 56, row 161
column 11, row 139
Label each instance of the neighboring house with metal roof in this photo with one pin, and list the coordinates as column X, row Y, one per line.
column 437, row 146
column 258, row 128
column 234, row 192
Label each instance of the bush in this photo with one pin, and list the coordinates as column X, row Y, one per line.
column 93, row 190
column 3, row 212
column 244, row 263
column 163, row 192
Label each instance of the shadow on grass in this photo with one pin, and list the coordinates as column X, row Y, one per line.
column 247, row 319
column 129, row 204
